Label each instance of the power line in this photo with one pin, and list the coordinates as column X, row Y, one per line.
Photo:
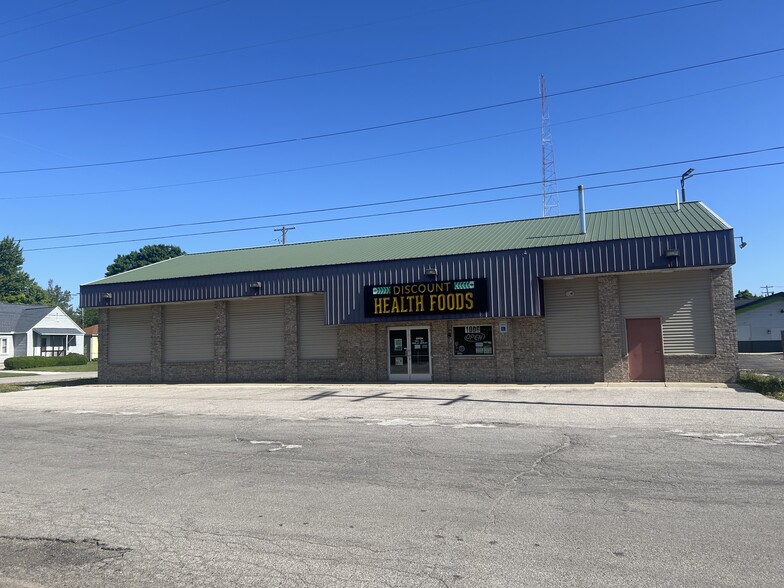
column 381, row 126
column 386, row 155
column 423, row 56
column 355, row 68
column 260, row 174
column 233, row 49
column 112, row 32
column 66, row 17
column 391, row 213
column 276, row 215
column 669, row 100
column 411, row 199
column 29, row 14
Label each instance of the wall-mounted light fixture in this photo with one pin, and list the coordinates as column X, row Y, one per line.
column 742, row 242
column 672, row 253
column 107, row 296
column 257, row 286
column 431, row 272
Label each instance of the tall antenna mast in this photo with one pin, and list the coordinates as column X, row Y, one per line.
column 550, row 205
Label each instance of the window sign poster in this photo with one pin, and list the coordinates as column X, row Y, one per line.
column 398, row 344
column 473, row 340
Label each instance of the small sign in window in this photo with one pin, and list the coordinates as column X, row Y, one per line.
column 473, row 340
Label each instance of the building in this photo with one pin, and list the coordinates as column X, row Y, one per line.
column 761, row 324
column 37, row 330
column 638, row 294
column 91, row 343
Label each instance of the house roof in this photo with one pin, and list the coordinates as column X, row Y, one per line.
column 753, row 304
column 20, row 318
column 739, row 302
column 91, row 330
column 649, row 221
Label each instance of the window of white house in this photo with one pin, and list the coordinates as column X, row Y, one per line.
column 4, row 346
column 473, row 340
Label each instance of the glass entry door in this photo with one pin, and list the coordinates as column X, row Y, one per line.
column 409, row 353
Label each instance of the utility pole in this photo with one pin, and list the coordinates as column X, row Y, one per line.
column 283, row 230
column 550, row 204
column 767, row 289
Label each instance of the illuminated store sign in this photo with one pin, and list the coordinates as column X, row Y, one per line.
column 467, row 296
column 473, row 340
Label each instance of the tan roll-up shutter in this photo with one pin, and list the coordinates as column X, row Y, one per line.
column 681, row 299
column 572, row 317
column 130, row 335
column 189, row 332
column 316, row 340
column 256, row 329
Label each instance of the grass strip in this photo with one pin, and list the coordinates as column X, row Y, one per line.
column 772, row 386
column 41, row 385
column 91, row 366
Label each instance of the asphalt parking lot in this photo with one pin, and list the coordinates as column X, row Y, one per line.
column 762, row 363
column 390, row 485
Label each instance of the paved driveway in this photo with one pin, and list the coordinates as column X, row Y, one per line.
column 390, row 485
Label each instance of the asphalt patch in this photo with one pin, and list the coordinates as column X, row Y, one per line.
column 51, row 552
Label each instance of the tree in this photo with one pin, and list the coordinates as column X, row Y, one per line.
column 144, row 256
column 59, row 297
column 88, row 317
column 745, row 295
column 16, row 285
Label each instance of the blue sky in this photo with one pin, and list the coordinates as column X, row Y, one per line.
column 400, row 61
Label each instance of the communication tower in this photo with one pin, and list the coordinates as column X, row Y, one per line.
column 550, row 204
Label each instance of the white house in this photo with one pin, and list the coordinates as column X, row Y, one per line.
column 760, row 324
column 37, row 330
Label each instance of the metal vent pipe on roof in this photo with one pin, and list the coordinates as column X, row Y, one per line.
column 581, row 198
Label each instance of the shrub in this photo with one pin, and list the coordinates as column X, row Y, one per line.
column 768, row 385
column 24, row 363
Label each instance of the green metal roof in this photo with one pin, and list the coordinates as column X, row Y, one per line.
column 755, row 304
column 649, row 221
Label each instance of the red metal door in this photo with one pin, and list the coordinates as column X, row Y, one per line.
column 646, row 356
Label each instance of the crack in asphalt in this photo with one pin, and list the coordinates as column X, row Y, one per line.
column 534, row 469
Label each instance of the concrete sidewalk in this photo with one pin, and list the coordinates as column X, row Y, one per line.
column 695, row 408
